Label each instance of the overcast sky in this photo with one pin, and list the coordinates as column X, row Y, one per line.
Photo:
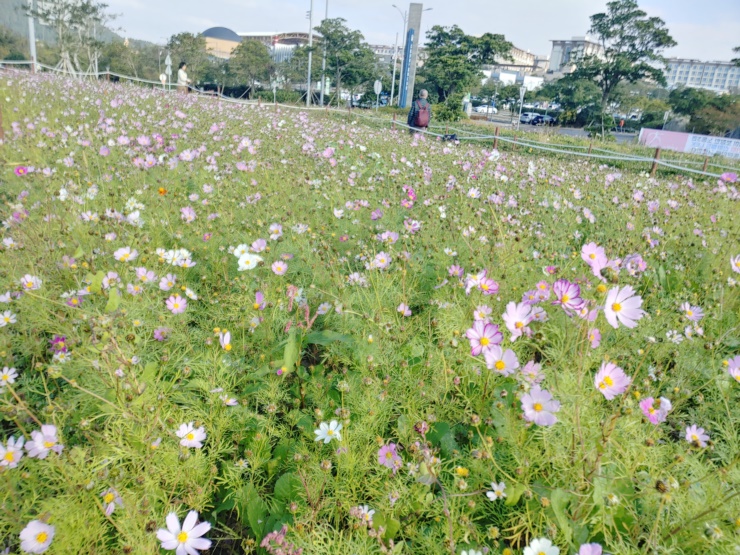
column 705, row 30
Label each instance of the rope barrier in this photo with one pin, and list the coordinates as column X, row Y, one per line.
column 466, row 135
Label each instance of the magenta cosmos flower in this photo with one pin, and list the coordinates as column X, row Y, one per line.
column 388, row 457
column 483, row 336
column 503, row 362
column 655, row 410
column 623, row 307
column 595, row 257
column 539, row 406
column 611, row 380
column 176, row 304
column 567, row 295
column 20, row 171
column 697, row 436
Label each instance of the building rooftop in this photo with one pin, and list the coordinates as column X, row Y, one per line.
column 221, row 33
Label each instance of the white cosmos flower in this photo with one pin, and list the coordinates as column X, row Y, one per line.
column 327, row 432
column 190, row 436
column 241, row 250
column 6, row 318
column 36, row 537
column 44, row 441
column 12, row 452
column 541, row 546
column 186, row 540
column 248, row 261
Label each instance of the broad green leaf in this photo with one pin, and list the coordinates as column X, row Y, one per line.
column 287, row 488
column 559, row 500
column 96, row 282
column 114, row 300
column 291, row 352
column 326, row 337
column 514, row 493
column 79, row 253
column 256, row 512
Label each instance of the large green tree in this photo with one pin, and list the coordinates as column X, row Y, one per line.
column 454, row 59
column 632, row 44
column 348, row 58
column 191, row 49
column 250, row 61
column 688, row 101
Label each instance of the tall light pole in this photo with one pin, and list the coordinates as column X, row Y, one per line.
column 310, row 46
column 404, row 16
column 323, row 61
column 32, row 34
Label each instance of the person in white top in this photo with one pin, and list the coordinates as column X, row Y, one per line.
column 182, row 78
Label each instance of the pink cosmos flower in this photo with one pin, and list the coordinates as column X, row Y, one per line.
column 590, row 549
column 487, row 286
column 655, row 410
column 693, row 313
column 503, row 362
column 20, row 171
column 259, row 301
column 623, row 306
column 404, row 309
column 44, row 441
column 126, row 254
column 595, row 257
column 735, row 263
column 455, row 271
column 259, row 245
column 224, row 339
column 539, row 406
column 388, row 457
column 167, row 282
column 611, row 380
column 279, row 268
column 543, row 290
column 144, row 275
column 176, row 304
column 483, row 336
column 532, row 373
column 594, row 336
column 517, row 317
column 567, row 295
column 110, row 500
column 697, row 436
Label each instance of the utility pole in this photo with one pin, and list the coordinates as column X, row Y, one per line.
column 404, row 16
column 32, row 35
column 393, row 79
column 310, row 46
column 323, row 61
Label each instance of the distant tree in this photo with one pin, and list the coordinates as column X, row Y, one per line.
column 12, row 46
column 688, row 101
column 632, row 44
column 736, row 61
column 250, row 61
column 348, row 58
column 454, row 59
column 191, row 49
column 721, row 116
column 78, row 25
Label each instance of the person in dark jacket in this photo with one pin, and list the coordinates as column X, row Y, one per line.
column 420, row 105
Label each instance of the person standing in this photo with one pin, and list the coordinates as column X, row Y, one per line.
column 182, row 78
column 420, row 114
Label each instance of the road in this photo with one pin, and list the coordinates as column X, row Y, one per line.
column 507, row 120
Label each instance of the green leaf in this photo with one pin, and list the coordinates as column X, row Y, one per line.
column 514, row 493
column 79, row 253
column 96, row 282
column 287, row 488
column 256, row 512
column 291, row 353
column 326, row 337
column 437, row 432
column 559, row 502
column 114, row 300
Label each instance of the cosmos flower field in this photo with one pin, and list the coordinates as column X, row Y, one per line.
column 255, row 329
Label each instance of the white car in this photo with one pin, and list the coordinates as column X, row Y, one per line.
column 485, row 109
column 527, row 117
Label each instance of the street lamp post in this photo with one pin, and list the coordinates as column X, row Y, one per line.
column 404, row 16
column 31, row 35
column 310, row 46
column 323, row 61
column 393, row 79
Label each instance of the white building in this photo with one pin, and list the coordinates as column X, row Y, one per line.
column 566, row 53
column 713, row 76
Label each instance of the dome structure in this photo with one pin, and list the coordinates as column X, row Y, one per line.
column 221, row 33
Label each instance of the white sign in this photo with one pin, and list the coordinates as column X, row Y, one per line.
column 378, row 87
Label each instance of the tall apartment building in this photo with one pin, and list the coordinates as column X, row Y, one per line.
column 713, row 76
column 566, row 53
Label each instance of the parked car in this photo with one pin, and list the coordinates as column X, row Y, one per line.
column 485, row 109
column 541, row 119
column 527, row 117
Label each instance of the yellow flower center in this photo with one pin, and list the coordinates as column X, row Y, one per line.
column 689, row 313
column 228, row 347
column 651, row 410
column 190, row 436
column 176, row 305
column 29, row 284
column 694, row 437
column 484, row 341
column 389, row 455
column 616, row 307
column 330, row 433
column 41, row 537
column 592, row 256
column 537, row 407
column 608, row 381
column 601, row 288
column 500, row 365
column 125, row 256
column 565, row 299
column 519, row 325
column 484, row 286
column 543, row 286
column 49, row 444
column 182, row 537
column 109, row 497
column 5, row 377
column 9, row 456
column 256, row 306
column 542, row 553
